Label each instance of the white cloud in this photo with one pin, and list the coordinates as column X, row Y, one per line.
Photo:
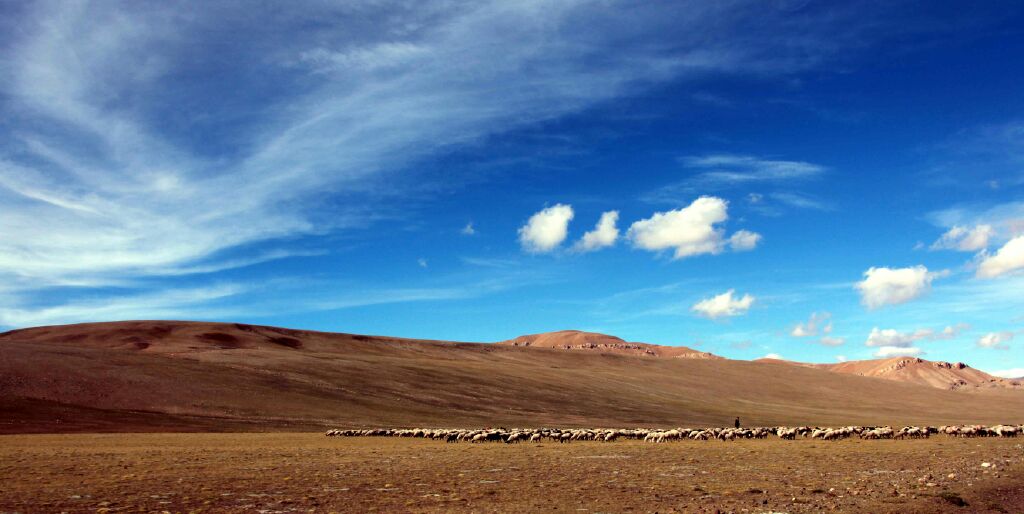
column 898, row 351
column 801, row 201
column 183, row 303
column 773, row 356
column 546, row 229
column 965, row 239
column 892, row 286
column 995, row 340
column 1008, row 373
column 723, row 305
column 1004, row 218
column 353, row 96
column 894, row 338
column 727, row 169
column 832, row 341
column 951, row 331
column 841, row 358
column 468, row 230
column 744, row 240
column 723, row 171
column 690, row 230
column 421, row 262
column 604, row 234
column 1008, row 259
column 818, row 323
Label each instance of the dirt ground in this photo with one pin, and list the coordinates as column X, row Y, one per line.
column 305, row 472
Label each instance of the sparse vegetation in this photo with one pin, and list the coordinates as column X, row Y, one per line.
column 299, row 472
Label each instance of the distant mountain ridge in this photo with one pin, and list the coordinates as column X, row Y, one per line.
column 603, row 343
column 940, row 374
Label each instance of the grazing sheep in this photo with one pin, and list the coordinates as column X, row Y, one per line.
column 608, row 435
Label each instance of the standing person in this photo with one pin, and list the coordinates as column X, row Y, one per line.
column 737, row 422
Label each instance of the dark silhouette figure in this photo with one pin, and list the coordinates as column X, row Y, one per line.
column 737, row 422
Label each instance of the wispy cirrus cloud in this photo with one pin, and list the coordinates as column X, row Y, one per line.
column 729, row 169
column 158, row 146
column 723, row 171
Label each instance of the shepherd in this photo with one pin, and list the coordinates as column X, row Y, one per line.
column 737, row 422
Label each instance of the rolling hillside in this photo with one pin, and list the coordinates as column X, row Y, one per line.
column 164, row 375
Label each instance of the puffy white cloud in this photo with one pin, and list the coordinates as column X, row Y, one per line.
column 1008, row 373
column 546, row 229
column 744, row 240
column 773, row 356
column 841, row 358
column 723, row 305
column 818, row 323
column 1009, row 258
column 996, row 340
column 891, row 286
column 604, row 234
column 468, row 230
column 965, row 239
column 690, row 230
column 897, row 351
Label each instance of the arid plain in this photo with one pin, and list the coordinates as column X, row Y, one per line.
column 204, row 417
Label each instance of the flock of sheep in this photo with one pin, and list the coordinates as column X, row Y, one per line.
column 516, row 435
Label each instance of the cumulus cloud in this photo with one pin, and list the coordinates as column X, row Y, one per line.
column 965, row 239
column 898, row 351
column 892, row 286
column 690, row 230
column 468, row 230
column 723, row 305
column 1008, row 259
column 546, row 229
column 744, row 240
column 604, row 234
column 995, row 340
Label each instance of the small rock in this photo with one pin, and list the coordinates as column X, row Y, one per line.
column 931, row 484
column 951, row 476
column 986, row 464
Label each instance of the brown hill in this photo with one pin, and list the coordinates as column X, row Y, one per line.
column 162, row 375
column 602, row 343
column 939, row 374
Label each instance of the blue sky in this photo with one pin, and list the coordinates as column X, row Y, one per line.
column 814, row 180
